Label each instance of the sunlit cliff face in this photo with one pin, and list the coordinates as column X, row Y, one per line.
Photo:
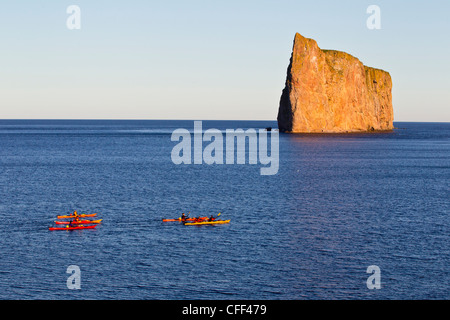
column 332, row 91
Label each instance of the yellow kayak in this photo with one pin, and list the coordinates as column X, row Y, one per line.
column 206, row 222
column 83, row 215
column 79, row 222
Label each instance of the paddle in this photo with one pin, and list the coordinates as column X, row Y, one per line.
column 214, row 218
column 185, row 217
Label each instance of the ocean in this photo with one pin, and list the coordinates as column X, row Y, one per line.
column 337, row 205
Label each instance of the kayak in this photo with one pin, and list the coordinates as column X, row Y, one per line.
column 179, row 219
column 79, row 222
column 72, row 228
column 206, row 222
column 84, row 215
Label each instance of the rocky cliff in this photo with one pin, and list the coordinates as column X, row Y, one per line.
column 332, row 91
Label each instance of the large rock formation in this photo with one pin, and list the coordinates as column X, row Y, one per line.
column 332, row 91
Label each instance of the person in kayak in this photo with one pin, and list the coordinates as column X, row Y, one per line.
column 211, row 218
column 183, row 217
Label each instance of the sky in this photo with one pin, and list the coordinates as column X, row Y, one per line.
column 144, row 59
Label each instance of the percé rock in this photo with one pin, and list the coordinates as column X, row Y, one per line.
column 331, row 91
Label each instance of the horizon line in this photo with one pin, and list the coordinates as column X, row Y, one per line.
column 193, row 119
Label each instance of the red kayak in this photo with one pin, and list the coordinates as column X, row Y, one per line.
column 182, row 220
column 72, row 228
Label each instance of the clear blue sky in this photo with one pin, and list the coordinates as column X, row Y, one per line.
column 208, row 59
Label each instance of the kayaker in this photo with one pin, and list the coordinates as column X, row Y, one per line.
column 183, row 217
column 70, row 224
column 211, row 218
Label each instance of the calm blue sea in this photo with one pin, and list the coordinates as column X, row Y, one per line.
column 338, row 204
